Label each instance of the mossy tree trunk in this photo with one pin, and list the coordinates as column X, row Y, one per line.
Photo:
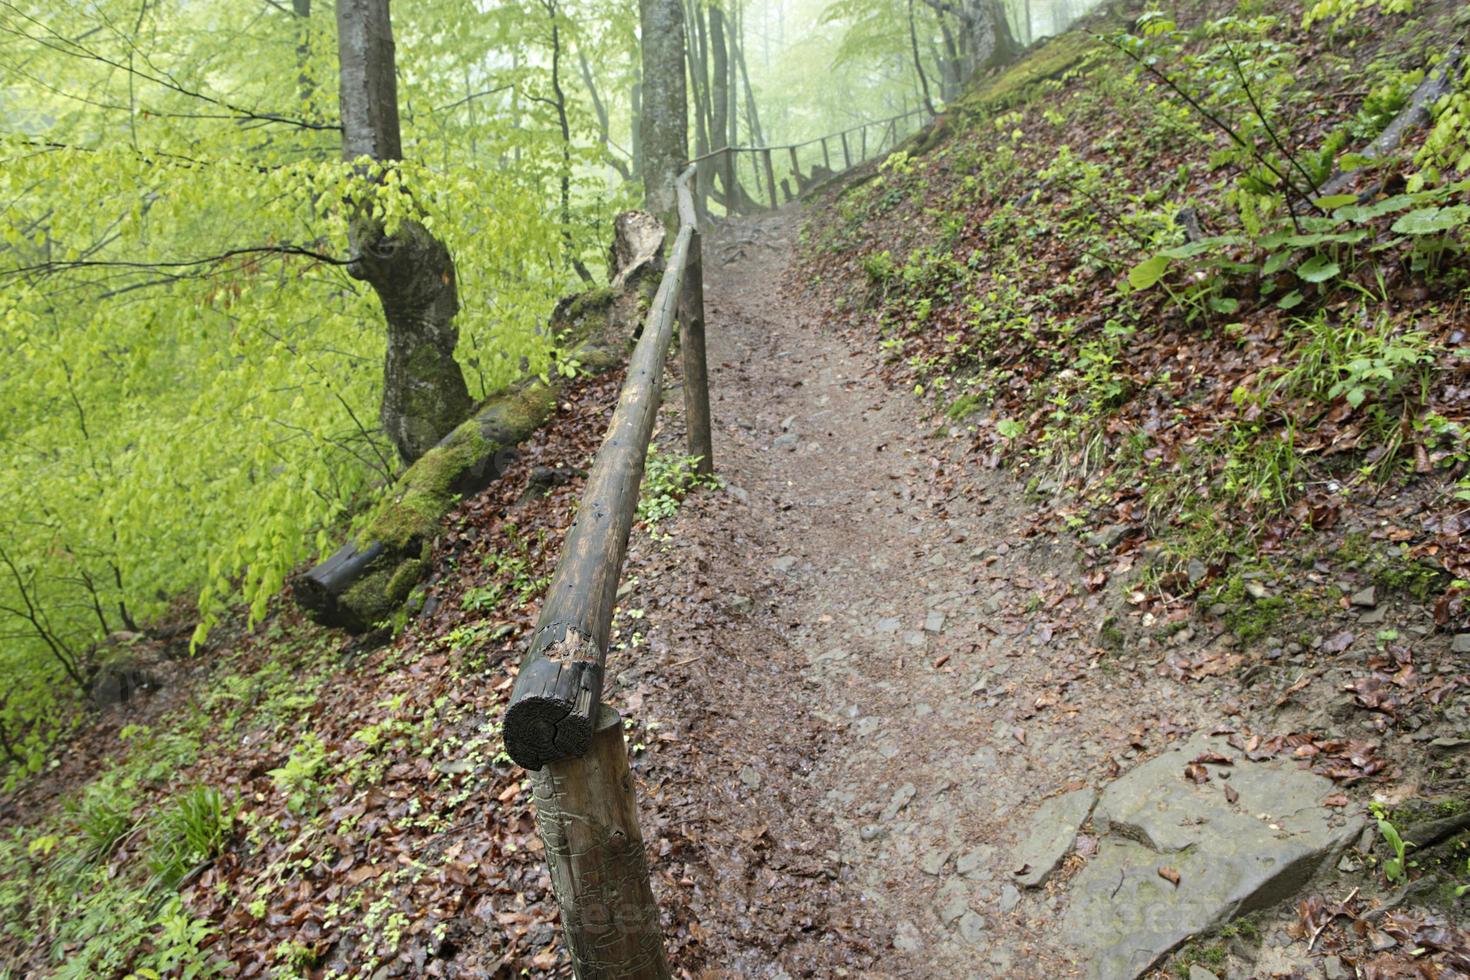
column 368, row 579
column 412, row 272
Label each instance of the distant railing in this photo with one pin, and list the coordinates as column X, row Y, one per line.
column 767, row 177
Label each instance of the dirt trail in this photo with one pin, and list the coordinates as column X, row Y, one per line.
column 884, row 672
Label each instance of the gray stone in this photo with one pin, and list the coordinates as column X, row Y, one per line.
column 740, row 494
column 954, row 901
column 900, row 799
column 1365, row 598
column 1460, row 644
column 971, row 861
column 1373, row 616
column 1197, row 972
column 872, row 831
column 1256, row 590
column 934, row 860
column 913, row 638
column 1052, row 832
column 1010, row 897
column 1230, row 859
column 785, row 563
column 907, row 939
column 972, row 928
column 888, row 624
column 740, row 603
column 934, row 622
column 750, row 777
column 787, row 441
column 1333, row 968
column 1108, row 537
column 1196, row 570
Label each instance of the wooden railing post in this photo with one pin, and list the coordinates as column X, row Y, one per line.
column 699, row 191
column 731, row 179
column 770, row 178
column 863, row 153
column 826, row 157
column 696, row 372
column 588, row 819
column 795, row 169
column 846, row 153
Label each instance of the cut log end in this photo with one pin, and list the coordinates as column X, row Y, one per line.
column 555, row 698
column 540, row 729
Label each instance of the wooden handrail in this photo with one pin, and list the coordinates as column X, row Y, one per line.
column 557, row 692
column 811, row 142
column 556, row 724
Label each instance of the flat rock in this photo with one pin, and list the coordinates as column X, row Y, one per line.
column 901, row 798
column 1230, row 859
column 1460, row 644
column 1365, row 598
column 1052, row 832
column 1197, row 972
column 888, row 624
column 934, row 622
column 785, row 563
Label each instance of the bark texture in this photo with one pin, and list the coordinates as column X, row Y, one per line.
column 588, row 819
column 424, row 391
column 368, row 579
column 664, row 133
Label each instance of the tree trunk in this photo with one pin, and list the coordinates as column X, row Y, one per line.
column 635, row 99
column 699, row 76
column 564, row 182
column 918, row 63
column 665, row 129
column 424, row 391
column 752, row 114
column 600, row 111
column 720, row 104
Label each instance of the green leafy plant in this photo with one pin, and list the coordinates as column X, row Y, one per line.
column 191, row 830
column 1396, row 868
column 667, row 479
column 297, row 779
column 104, row 817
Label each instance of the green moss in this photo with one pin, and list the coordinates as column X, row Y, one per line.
column 1051, row 60
column 594, row 303
column 405, row 577
column 368, row 598
column 424, row 494
column 1413, row 578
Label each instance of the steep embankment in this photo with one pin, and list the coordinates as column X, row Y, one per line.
column 1247, row 402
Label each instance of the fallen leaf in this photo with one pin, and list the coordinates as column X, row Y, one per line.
column 1231, row 795
column 1170, row 875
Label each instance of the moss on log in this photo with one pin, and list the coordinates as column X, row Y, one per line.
column 365, row 581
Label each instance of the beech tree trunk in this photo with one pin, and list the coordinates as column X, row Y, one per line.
column 424, row 391
column 665, row 127
column 720, row 104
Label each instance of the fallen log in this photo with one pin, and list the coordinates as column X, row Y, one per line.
column 365, row 581
column 1415, row 113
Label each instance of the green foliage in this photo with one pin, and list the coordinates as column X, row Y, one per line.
column 667, row 479
column 190, row 381
column 104, row 817
column 190, row 831
column 298, row 778
column 1396, row 868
